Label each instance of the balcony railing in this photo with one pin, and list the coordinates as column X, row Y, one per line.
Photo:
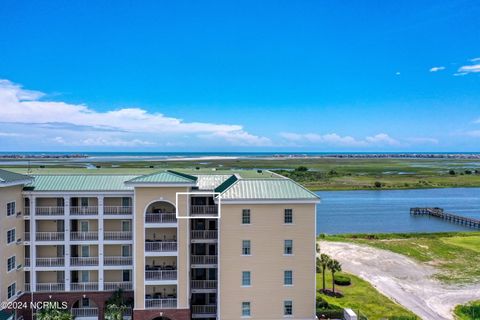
column 161, row 303
column 204, row 284
column 50, row 236
column 27, row 236
column 210, row 259
column 27, row 262
column 50, row 287
column 204, row 234
column 113, row 286
column 84, row 312
column 159, row 275
column 117, row 210
column 27, row 211
column 84, row 211
column 206, row 309
column 27, row 287
column 84, row 286
column 84, row 261
column 49, row 211
column 163, row 246
column 160, row 218
column 117, row 261
column 117, row 235
column 83, row 236
column 211, row 210
column 50, row 262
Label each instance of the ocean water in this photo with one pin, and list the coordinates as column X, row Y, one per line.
column 389, row 210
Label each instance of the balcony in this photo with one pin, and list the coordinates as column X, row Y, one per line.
column 117, row 210
column 170, row 303
column 49, row 211
column 114, row 286
column 84, row 286
column 26, row 211
column 160, row 275
column 27, row 236
column 160, row 246
column 84, row 261
column 117, row 235
column 49, row 287
column 84, row 236
column 27, row 262
column 84, row 312
column 117, row 261
column 160, row 218
column 204, row 260
column 50, row 236
column 204, row 309
column 203, row 210
column 204, row 284
column 50, row 262
column 204, row 234
column 84, row 211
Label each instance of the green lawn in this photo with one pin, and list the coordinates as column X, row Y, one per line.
column 360, row 295
column 455, row 255
column 470, row 311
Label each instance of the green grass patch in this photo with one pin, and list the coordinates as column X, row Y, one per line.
column 455, row 254
column 362, row 296
column 470, row 311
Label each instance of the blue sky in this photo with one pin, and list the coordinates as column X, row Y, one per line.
column 240, row 75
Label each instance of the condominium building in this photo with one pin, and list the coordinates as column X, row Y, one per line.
column 187, row 244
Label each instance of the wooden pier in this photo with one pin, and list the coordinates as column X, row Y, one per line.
column 440, row 213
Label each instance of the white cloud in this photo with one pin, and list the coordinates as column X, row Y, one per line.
column 474, row 133
column 435, row 69
column 473, row 68
column 334, row 139
column 397, row 73
column 475, row 59
column 26, row 107
column 382, row 139
column 423, row 140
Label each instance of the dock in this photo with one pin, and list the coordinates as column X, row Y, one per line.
column 441, row 214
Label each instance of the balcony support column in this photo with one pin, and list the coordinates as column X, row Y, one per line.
column 101, row 280
column 33, row 248
column 66, row 203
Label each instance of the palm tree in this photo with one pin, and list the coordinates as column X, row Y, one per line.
column 334, row 266
column 54, row 314
column 324, row 259
column 115, row 312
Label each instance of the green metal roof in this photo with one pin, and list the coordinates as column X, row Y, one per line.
column 164, row 177
column 12, row 177
column 267, row 189
column 211, row 181
column 80, row 183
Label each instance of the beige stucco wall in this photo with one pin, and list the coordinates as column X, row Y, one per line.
column 9, row 194
column 267, row 263
column 92, row 224
column 113, row 201
column 46, row 225
column 47, row 277
column 115, row 224
column 113, row 276
column 143, row 197
column 114, row 250
column 46, row 202
column 46, row 251
column 93, row 250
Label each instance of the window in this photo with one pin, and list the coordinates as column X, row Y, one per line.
column 84, row 226
column 126, row 251
column 245, row 309
column 11, row 263
column 126, row 202
column 288, row 216
column 11, row 290
column 10, row 209
column 288, row 277
column 85, row 302
column 84, row 202
column 246, row 216
column 126, row 226
column 245, row 278
column 85, row 276
column 288, row 249
column 11, row 236
column 246, row 251
column 288, row 308
column 85, row 250
column 126, row 276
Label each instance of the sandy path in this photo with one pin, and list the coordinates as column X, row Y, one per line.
column 402, row 279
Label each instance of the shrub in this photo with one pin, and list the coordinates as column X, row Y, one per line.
column 378, row 184
column 330, row 313
column 468, row 172
column 342, row 280
column 468, row 311
column 301, row 169
column 451, row 172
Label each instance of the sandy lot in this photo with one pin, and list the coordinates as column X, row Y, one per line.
column 402, row 279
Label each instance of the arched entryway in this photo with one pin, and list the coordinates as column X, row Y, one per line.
column 160, row 212
column 85, row 308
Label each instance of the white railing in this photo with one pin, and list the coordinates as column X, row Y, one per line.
column 113, row 286
column 161, row 246
column 84, row 286
column 27, row 287
column 204, row 284
column 27, row 262
column 117, row 210
column 160, row 218
column 117, row 261
column 50, row 262
column 211, row 259
column 206, row 309
column 117, row 235
column 204, row 234
column 83, row 236
column 161, row 303
column 85, row 312
column 27, row 236
column 84, row 261
column 50, row 236
column 204, row 210
column 49, row 211
column 84, row 211
column 161, row 275
column 27, row 211
column 49, row 287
